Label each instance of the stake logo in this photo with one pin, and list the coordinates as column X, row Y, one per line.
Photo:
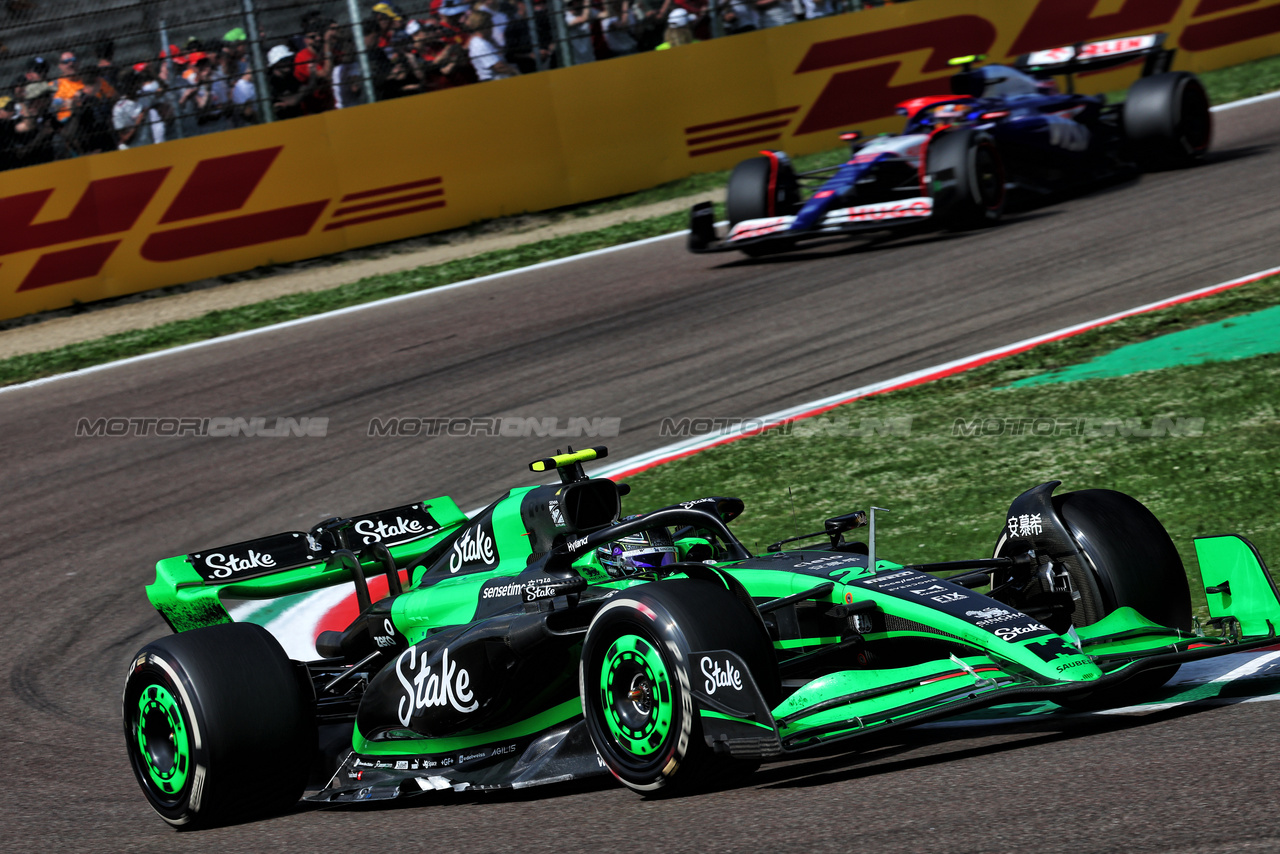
column 224, row 566
column 475, row 546
column 428, row 688
column 719, row 677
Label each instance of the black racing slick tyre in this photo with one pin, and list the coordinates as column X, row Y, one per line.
column 636, row 685
column 219, row 725
column 1167, row 122
column 1129, row 561
column 964, row 175
column 762, row 187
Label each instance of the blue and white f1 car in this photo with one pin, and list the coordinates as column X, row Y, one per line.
column 1003, row 129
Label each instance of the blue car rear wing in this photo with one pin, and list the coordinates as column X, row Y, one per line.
column 1099, row 56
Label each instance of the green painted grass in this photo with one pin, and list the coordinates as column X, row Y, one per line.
column 1237, row 337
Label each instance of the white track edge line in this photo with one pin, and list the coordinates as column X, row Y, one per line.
column 438, row 289
column 1244, row 102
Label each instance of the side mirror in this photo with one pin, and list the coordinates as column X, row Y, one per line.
column 837, row 525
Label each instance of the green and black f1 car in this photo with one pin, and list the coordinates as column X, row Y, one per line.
column 546, row 639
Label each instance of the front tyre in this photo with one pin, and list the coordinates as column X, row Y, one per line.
column 636, row 690
column 760, row 188
column 1129, row 560
column 217, row 725
column 964, row 175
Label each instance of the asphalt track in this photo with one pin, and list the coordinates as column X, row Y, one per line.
column 642, row 334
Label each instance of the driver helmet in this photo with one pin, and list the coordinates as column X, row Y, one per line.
column 953, row 112
column 637, row 552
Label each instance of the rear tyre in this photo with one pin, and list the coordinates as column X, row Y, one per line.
column 217, row 725
column 759, row 188
column 635, row 680
column 965, row 177
column 1167, row 120
column 1130, row 561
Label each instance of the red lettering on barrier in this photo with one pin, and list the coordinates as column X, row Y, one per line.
column 865, row 93
column 1231, row 29
column 235, row 233
column 1059, row 22
column 67, row 265
column 108, row 206
column 221, row 184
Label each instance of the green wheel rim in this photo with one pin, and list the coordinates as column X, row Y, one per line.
column 162, row 740
column 635, row 693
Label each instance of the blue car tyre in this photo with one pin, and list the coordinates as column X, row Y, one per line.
column 965, row 176
column 1167, row 121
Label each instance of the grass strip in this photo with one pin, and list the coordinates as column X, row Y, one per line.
column 1214, row 472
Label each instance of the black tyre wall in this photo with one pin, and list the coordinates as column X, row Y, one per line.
column 691, row 615
column 252, row 710
column 965, row 179
column 761, row 187
column 1167, row 121
column 1134, row 561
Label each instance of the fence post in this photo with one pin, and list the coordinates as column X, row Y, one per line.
column 168, row 64
column 259, row 66
column 562, row 33
column 357, row 32
column 535, row 36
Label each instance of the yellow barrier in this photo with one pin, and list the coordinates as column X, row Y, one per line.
column 118, row 223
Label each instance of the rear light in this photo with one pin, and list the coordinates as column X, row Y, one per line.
column 998, row 114
column 851, row 136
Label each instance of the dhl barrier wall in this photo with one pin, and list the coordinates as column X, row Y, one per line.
column 117, row 223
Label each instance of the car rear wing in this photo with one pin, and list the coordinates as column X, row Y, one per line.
column 188, row 589
column 1099, row 56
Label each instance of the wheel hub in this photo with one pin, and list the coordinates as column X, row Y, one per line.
column 641, row 694
column 162, row 740
column 635, row 694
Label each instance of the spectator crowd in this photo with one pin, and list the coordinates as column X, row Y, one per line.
column 67, row 105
